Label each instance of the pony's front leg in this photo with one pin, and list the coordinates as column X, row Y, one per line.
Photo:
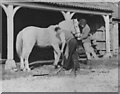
column 56, row 59
column 21, row 63
column 57, row 54
column 27, row 68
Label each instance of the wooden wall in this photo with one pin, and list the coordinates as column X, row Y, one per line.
column 0, row 31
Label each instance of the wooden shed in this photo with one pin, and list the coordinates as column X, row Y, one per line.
column 103, row 12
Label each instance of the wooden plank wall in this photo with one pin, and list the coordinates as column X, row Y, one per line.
column 0, row 32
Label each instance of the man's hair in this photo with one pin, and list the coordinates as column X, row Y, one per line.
column 57, row 28
column 82, row 22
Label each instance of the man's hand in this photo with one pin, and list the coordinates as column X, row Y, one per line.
column 78, row 38
column 61, row 50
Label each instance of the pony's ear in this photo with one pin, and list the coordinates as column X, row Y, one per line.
column 76, row 21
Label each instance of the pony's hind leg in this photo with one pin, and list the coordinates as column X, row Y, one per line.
column 26, row 53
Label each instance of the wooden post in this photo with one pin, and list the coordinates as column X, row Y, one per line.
column 10, row 32
column 0, row 33
column 108, row 53
column 115, row 38
column 10, row 12
column 67, row 15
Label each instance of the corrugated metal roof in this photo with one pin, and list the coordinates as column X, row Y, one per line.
column 90, row 5
column 103, row 6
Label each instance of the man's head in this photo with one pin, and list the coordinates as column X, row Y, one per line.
column 82, row 22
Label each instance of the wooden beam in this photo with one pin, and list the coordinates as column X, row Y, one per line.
column 16, row 8
column 4, row 7
column 55, row 8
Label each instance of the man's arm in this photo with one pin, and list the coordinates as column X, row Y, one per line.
column 84, row 34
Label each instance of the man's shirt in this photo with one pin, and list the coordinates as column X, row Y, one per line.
column 85, row 34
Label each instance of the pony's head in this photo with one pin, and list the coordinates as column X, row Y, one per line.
column 71, row 25
column 76, row 27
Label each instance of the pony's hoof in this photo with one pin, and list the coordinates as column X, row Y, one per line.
column 26, row 69
column 55, row 66
column 21, row 69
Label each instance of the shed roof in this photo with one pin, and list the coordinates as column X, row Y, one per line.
column 90, row 5
column 85, row 7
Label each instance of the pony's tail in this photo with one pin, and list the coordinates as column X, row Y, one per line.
column 19, row 44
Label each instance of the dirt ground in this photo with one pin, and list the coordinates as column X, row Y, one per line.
column 102, row 76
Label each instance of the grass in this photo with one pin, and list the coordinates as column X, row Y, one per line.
column 38, row 67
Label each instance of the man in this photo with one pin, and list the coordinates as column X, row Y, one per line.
column 70, row 54
column 61, row 41
column 86, row 39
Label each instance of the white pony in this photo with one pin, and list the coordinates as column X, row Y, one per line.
column 42, row 37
